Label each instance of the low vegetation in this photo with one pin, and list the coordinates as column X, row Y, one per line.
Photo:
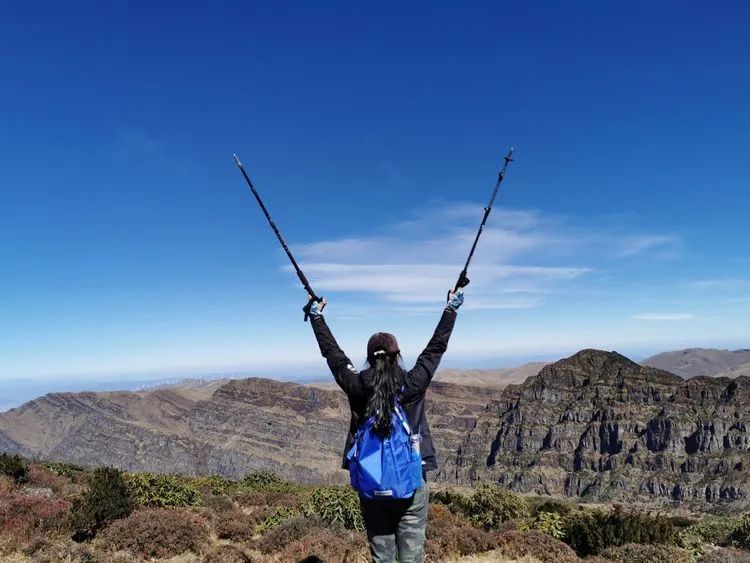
column 59, row 512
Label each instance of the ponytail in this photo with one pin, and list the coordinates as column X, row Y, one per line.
column 385, row 387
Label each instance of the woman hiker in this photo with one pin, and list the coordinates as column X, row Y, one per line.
column 395, row 526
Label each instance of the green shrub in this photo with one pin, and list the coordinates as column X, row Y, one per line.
column 457, row 503
column 491, row 505
column 266, row 482
column 251, row 499
column 14, row 467
column 278, row 516
column 554, row 506
column 157, row 533
column 157, row 490
column 214, row 484
column 61, row 469
column 337, row 505
column 653, row 553
column 712, row 530
column 106, row 499
column 589, row 532
column 740, row 536
column 550, row 523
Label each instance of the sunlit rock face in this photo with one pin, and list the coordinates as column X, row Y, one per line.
column 599, row 426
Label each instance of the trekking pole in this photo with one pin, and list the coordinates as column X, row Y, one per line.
column 463, row 281
column 313, row 297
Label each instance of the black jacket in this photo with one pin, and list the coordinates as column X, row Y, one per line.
column 356, row 384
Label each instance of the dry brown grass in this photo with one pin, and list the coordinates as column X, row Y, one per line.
column 7, row 485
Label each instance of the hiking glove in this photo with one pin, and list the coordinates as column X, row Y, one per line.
column 316, row 308
column 455, row 300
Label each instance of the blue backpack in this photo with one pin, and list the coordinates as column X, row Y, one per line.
column 386, row 467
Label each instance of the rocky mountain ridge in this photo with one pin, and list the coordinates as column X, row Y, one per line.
column 234, row 428
column 595, row 425
column 693, row 362
column 599, row 426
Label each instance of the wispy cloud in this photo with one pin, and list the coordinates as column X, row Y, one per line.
column 638, row 244
column 722, row 284
column 522, row 257
column 663, row 316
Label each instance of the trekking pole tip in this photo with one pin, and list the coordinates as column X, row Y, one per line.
column 237, row 160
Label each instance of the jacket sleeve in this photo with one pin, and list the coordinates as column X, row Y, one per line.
column 338, row 362
column 419, row 377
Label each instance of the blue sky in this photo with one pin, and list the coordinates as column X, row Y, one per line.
column 130, row 244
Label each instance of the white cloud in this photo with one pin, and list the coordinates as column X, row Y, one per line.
column 522, row 256
column 663, row 316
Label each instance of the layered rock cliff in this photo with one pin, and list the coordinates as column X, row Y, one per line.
column 599, row 426
column 241, row 426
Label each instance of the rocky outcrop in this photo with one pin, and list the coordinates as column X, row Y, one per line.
column 599, row 426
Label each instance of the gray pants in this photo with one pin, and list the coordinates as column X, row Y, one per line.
column 396, row 528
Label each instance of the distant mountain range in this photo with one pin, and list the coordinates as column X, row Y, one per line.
column 700, row 361
column 595, row 425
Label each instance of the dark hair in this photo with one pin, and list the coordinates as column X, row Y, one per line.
column 386, row 382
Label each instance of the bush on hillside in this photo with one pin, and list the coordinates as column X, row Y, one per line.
column 251, row 499
column 275, row 518
column 536, row 545
column 328, row 545
column 289, row 531
column 14, row 467
column 157, row 533
column 62, row 469
column 156, row 490
column 214, row 484
column 589, row 532
column 264, row 481
column 450, row 535
column 217, row 503
column 740, row 535
column 457, row 503
column 550, row 523
column 491, row 505
column 560, row 507
column 23, row 518
column 653, row 553
column 44, row 550
column 238, row 526
column 712, row 530
column 337, row 505
column 40, row 476
column 106, row 499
